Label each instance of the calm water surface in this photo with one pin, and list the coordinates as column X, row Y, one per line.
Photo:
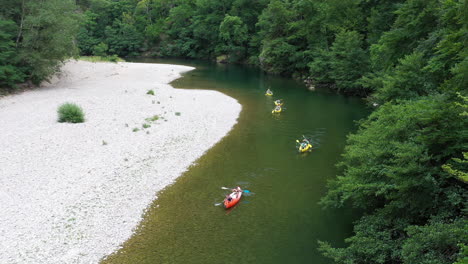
column 280, row 220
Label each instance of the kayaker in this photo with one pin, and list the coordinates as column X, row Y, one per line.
column 304, row 143
column 233, row 198
column 236, row 190
column 268, row 91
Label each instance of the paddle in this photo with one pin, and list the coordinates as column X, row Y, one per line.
column 218, row 204
column 297, row 140
column 226, row 188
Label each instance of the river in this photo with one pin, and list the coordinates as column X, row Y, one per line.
column 280, row 220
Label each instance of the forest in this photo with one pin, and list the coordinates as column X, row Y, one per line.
column 405, row 168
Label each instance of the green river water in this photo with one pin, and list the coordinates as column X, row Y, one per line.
column 279, row 221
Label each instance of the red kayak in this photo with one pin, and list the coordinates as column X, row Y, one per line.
column 233, row 198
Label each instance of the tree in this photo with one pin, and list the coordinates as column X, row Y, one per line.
column 100, row 49
column 180, row 31
column 234, row 34
column 392, row 168
column 10, row 74
column 348, row 62
column 434, row 243
column 408, row 80
column 87, row 35
column 43, row 33
column 123, row 39
column 47, row 36
column 276, row 52
column 415, row 20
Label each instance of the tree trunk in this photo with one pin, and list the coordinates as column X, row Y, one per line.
column 20, row 32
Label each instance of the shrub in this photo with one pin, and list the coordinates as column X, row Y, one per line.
column 100, row 49
column 114, row 58
column 70, row 113
column 150, row 92
column 177, row 113
column 146, row 125
column 136, row 129
column 152, row 119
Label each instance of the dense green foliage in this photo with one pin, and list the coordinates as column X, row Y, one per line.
column 9, row 72
column 113, row 58
column 312, row 39
column 406, row 166
column 71, row 113
column 393, row 170
column 35, row 36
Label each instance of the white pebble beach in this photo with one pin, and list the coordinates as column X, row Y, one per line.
column 74, row 193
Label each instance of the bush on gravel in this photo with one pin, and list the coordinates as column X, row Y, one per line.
column 70, row 113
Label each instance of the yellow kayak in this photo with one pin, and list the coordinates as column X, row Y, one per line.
column 303, row 149
column 269, row 93
column 277, row 109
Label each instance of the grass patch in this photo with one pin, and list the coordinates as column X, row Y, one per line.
column 113, row 58
column 177, row 113
column 146, row 125
column 136, row 129
column 71, row 113
column 151, row 92
column 152, row 119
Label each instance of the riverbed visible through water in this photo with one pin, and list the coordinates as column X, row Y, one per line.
column 279, row 220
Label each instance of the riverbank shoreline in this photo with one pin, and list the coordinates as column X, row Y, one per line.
column 73, row 193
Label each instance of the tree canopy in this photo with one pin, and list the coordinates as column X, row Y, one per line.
column 35, row 36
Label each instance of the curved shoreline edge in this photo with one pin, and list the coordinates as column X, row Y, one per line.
column 74, row 193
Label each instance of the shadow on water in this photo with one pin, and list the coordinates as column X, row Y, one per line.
column 280, row 220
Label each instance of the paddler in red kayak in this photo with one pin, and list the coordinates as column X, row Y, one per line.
column 233, row 198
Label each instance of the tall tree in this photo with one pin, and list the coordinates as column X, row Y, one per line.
column 233, row 32
column 348, row 62
column 47, row 36
column 10, row 74
column 44, row 37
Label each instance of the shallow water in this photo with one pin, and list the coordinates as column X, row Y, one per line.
column 279, row 221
